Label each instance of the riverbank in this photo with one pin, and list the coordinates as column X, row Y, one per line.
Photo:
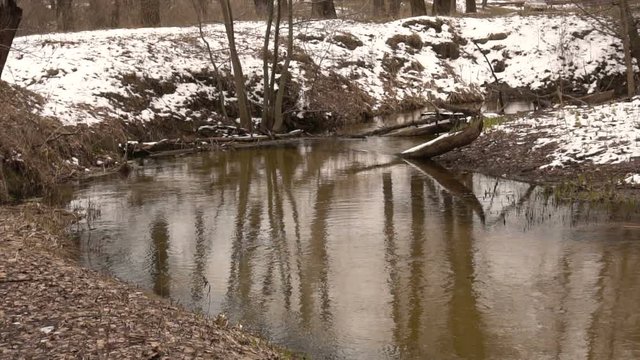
column 52, row 307
column 591, row 152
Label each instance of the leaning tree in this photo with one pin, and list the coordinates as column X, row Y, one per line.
column 10, row 16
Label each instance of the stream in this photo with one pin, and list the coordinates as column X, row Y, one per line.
column 341, row 250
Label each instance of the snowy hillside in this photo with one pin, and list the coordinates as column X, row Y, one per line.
column 148, row 73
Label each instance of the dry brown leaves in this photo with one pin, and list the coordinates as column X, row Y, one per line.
column 52, row 308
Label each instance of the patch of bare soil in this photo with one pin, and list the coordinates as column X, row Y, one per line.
column 51, row 308
column 501, row 154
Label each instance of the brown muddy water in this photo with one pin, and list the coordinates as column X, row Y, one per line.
column 340, row 250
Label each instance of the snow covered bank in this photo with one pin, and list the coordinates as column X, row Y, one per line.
column 161, row 73
column 605, row 134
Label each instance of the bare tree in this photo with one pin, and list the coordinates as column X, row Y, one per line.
column 64, row 15
column 324, row 9
column 10, row 17
column 98, row 13
column 115, row 14
column 394, row 8
column 470, row 6
column 150, row 13
column 262, row 7
column 378, row 8
column 418, row 8
column 443, row 7
column 238, row 76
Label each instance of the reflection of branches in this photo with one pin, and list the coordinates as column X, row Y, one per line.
column 513, row 206
column 443, row 177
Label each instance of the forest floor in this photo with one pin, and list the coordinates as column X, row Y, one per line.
column 50, row 307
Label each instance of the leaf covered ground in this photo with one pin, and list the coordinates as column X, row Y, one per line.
column 52, row 308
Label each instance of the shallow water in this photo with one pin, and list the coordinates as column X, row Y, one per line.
column 341, row 250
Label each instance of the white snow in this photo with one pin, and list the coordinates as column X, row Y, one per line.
column 604, row 134
column 632, row 179
column 75, row 71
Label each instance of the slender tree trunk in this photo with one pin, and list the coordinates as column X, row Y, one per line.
column 631, row 86
column 378, row 8
column 238, row 76
column 115, row 14
column 443, row 7
column 64, row 15
column 10, row 17
column 484, row 3
column 470, row 6
column 98, row 14
column 394, row 8
column 324, row 9
column 631, row 30
column 150, row 13
column 285, row 76
column 418, row 8
column 262, row 7
column 266, row 105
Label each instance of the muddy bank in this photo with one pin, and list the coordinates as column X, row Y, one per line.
column 50, row 307
column 515, row 156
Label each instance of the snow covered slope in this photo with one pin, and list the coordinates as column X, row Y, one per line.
column 148, row 73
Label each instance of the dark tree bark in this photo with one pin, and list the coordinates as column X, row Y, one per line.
column 10, row 17
column 115, row 14
column 442, row 7
column 98, row 14
column 324, row 9
column 262, row 7
column 470, row 6
column 150, row 13
column 394, row 8
column 64, row 15
column 378, row 8
column 418, row 8
column 631, row 30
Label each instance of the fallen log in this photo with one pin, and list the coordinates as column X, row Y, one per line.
column 425, row 130
column 446, row 142
column 426, row 118
column 135, row 149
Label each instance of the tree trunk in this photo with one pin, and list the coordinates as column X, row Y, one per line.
column 115, row 14
column 446, row 142
column 394, row 8
column 262, row 7
column 470, row 6
column 284, row 77
column 98, row 14
column 150, row 13
column 418, row 8
column 64, row 15
column 323, row 9
column 628, row 61
column 631, row 31
column 378, row 8
column 10, row 17
column 238, row 76
column 442, row 7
